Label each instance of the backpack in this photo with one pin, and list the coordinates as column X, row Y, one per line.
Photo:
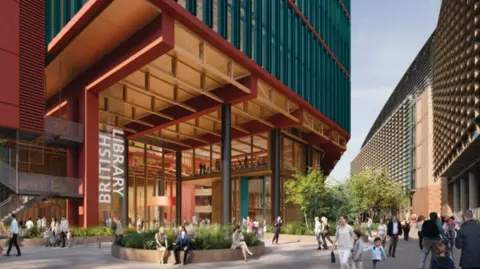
column 429, row 229
column 450, row 264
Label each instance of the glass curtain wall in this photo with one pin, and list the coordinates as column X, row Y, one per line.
column 151, row 173
column 293, row 157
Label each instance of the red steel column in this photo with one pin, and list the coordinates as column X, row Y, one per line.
column 88, row 157
column 72, row 162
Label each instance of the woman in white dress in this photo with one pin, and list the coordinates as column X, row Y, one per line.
column 238, row 242
column 161, row 238
column 382, row 232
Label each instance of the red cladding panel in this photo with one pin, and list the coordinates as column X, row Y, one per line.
column 11, row 120
column 9, row 21
column 32, row 63
column 9, row 77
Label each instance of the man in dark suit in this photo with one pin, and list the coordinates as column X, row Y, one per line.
column 182, row 244
column 276, row 230
column 394, row 230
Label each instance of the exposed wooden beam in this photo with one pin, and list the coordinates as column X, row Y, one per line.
column 215, row 120
column 168, row 140
column 175, row 81
column 140, row 89
column 246, row 115
column 187, row 136
column 117, row 126
column 141, row 107
column 226, row 77
column 128, row 119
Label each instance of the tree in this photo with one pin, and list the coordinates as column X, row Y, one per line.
column 307, row 191
column 373, row 190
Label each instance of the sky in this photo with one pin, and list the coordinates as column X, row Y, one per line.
column 386, row 37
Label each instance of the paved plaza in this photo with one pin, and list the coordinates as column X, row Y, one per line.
column 285, row 255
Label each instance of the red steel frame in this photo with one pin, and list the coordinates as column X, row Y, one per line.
column 148, row 44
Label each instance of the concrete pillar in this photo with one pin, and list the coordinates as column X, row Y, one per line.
column 473, row 189
column 456, row 196
column 463, row 194
column 226, row 156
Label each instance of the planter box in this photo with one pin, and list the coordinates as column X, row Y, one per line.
column 77, row 241
column 291, row 237
column 195, row 256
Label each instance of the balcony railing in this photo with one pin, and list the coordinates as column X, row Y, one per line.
column 39, row 184
column 62, row 133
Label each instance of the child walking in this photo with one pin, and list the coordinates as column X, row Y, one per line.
column 442, row 261
column 378, row 252
column 357, row 252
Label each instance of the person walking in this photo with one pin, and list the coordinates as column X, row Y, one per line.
column 369, row 226
column 406, row 228
column 182, row 244
column 418, row 226
column 63, row 230
column 3, row 232
column 468, row 240
column 14, row 231
column 264, row 231
column 239, row 242
column 344, row 242
column 382, row 232
column 162, row 244
column 46, row 235
column 432, row 231
column 378, row 252
column 326, row 232
column 318, row 233
column 451, row 233
column 250, row 226
column 255, row 227
column 357, row 252
column 394, row 230
column 118, row 230
column 276, row 229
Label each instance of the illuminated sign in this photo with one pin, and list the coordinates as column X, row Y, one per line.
column 111, row 165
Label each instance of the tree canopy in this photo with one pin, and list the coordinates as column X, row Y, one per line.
column 373, row 190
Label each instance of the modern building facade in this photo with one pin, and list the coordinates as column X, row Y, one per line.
column 401, row 138
column 456, row 106
column 447, row 174
column 165, row 110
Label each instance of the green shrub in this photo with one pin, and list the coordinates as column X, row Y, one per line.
column 201, row 239
column 33, row 232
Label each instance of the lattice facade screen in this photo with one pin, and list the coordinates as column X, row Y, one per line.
column 418, row 76
column 456, row 90
column 390, row 143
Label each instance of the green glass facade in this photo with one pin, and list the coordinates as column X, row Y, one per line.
column 275, row 37
column 57, row 14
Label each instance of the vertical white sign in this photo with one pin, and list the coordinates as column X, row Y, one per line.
column 111, row 165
